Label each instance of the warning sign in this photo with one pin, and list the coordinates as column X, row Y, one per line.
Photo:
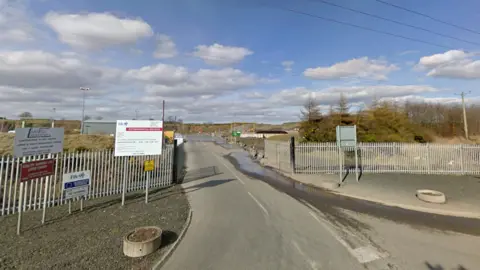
column 149, row 165
column 37, row 169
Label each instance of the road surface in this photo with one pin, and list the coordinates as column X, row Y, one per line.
column 240, row 222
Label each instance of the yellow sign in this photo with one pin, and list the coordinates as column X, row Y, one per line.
column 169, row 135
column 148, row 165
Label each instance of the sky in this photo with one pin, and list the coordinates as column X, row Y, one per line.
column 231, row 60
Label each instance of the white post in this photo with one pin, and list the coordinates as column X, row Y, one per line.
column 146, row 187
column 81, row 203
column 124, row 184
column 20, row 199
column 47, row 185
column 70, row 206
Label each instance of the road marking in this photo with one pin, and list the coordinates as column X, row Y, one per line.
column 259, row 204
column 363, row 254
column 312, row 263
column 228, row 168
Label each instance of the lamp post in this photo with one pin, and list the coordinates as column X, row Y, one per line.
column 84, row 89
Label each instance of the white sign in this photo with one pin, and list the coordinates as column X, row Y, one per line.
column 38, row 141
column 138, row 138
column 76, row 184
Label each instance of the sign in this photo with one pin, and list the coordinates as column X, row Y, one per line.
column 37, row 141
column 76, row 184
column 37, row 169
column 346, row 136
column 236, row 133
column 138, row 138
column 148, row 165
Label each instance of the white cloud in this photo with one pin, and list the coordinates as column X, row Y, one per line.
column 355, row 68
column 297, row 96
column 287, row 65
column 39, row 69
column 14, row 22
column 220, row 55
column 97, row 30
column 166, row 48
column 254, row 95
column 451, row 64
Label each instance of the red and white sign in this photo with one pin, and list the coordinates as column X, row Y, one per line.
column 138, row 138
column 37, row 169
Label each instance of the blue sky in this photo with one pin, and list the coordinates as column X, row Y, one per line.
column 215, row 60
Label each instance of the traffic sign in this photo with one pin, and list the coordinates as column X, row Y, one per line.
column 148, row 165
column 236, row 133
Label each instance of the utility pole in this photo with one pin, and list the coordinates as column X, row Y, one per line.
column 136, row 114
column 84, row 89
column 465, row 123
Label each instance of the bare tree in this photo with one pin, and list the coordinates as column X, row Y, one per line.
column 87, row 117
column 98, row 118
column 343, row 107
column 310, row 110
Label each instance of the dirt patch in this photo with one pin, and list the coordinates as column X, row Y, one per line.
column 143, row 234
column 93, row 238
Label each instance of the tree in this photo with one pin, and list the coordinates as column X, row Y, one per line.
column 310, row 110
column 25, row 115
column 98, row 118
column 86, row 118
column 343, row 108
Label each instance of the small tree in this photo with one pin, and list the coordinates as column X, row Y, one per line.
column 98, row 118
column 86, row 118
column 311, row 117
column 26, row 115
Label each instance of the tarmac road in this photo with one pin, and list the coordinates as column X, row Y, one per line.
column 235, row 225
column 240, row 222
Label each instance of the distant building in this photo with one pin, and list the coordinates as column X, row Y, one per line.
column 100, row 127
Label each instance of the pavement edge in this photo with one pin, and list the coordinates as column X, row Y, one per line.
column 160, row 262
column 459, row 214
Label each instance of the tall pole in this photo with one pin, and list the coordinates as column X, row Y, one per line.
column 465, row 123
column 136, row 114
column 84, row 89
column 163, row 124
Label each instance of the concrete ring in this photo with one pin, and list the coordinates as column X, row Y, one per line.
column 431, row 196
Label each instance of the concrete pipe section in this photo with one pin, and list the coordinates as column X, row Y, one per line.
column 431, row 196
column 142, row 241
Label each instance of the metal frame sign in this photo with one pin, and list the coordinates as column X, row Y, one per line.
column 38, row 141
column 148, row 165
column 346, row 136
column 76, row 184
column 36, row 169
column 138, row 138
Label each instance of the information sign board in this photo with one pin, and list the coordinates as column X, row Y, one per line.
column 76, row 184
column 37, row 169
column 37, row 141
column 138, row 138
column 346, row 136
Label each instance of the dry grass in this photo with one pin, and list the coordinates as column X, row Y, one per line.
column 71, row 142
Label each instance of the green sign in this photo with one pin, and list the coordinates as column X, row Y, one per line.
column 236, row 133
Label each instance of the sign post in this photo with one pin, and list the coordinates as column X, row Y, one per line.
column 148, row 167
column 34, row 142
column 137, row 138
column 347, row 137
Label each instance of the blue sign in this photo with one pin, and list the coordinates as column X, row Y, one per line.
column 77, row 183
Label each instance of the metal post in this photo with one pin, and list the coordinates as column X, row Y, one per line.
column 146, row 187
column 47, row 185
column 356, row 161
column 462, row 167
column 81, row 203
column 340, row 169
column 292, row 153
column 124, row 184
column 175, row 162
column 84, row 89
column 20, row 199
column 70, row 206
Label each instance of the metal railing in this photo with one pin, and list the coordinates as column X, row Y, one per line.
column 107, row 173
column 314, row 158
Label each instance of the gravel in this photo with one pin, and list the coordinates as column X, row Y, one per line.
column 93, row 238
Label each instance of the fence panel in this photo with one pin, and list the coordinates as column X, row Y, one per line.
column 314, row 158
column 107, row 173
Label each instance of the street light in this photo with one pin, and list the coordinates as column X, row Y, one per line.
column 84, row 89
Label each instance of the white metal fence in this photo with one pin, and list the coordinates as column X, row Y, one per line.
column 376, row 158
column 107, row 172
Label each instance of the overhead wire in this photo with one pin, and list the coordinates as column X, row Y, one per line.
column 364, row 27
column 394, row 21
column 428, row 16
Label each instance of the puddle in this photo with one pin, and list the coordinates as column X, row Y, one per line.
column 330, row 203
